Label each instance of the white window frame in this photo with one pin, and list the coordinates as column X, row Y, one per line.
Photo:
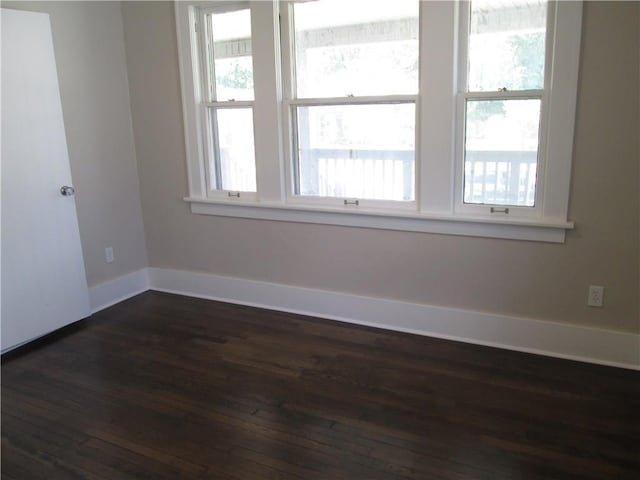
column 266, row 103
column 296, row 199
column 438, row 166
column 292, row 101
column 463, row 95
column 209, row 107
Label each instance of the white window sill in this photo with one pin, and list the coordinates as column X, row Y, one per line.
column 351, row 216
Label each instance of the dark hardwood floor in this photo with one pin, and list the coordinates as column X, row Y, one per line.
column 169, row 387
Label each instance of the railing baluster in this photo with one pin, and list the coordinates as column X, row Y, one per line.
column 390, row 174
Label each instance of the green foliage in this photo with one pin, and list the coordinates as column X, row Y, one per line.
column 240, row 76
column 528, row 52
column 480, row 111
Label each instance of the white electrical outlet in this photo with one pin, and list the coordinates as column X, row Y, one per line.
column 108, row 254
column 596, row 296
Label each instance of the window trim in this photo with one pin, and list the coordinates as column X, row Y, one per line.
column 406, row 221
column 210, row 104
column 436, row 131
column 464, row 94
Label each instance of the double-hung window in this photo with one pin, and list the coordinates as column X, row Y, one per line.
column 445, row 117
column 352, row 85
column 226, row 106
column 502, row 95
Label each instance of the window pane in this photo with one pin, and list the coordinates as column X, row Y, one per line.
column 357, row 151
column 230, row 63
column 507, row 44
column 235, row 165
column 356, row 47
column 501, row 152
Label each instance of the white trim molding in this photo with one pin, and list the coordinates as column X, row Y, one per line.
column 117, row 290
column 507, row 228
column 574, row 342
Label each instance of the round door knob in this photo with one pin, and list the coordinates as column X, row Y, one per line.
column 67, row 191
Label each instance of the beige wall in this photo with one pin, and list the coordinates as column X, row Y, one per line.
column 89, row 49
column 544, row 281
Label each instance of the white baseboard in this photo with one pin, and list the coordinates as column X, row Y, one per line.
column 114, row 291
column 573, row 342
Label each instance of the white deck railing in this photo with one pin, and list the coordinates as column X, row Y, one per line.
column 491, row 177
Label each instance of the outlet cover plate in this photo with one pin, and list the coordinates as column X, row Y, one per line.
column 596, row 296
column 108, row 254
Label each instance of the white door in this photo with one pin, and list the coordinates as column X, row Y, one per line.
column 43, row 282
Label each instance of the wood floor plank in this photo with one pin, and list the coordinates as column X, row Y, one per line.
column 163, row 386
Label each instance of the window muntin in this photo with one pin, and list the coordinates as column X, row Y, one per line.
column 502, row 104
column 358, row 143
column 228, row 77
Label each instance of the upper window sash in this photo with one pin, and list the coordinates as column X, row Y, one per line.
column 514, row 36
column 357, row 48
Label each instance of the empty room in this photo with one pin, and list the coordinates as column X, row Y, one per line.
column 320, row 240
